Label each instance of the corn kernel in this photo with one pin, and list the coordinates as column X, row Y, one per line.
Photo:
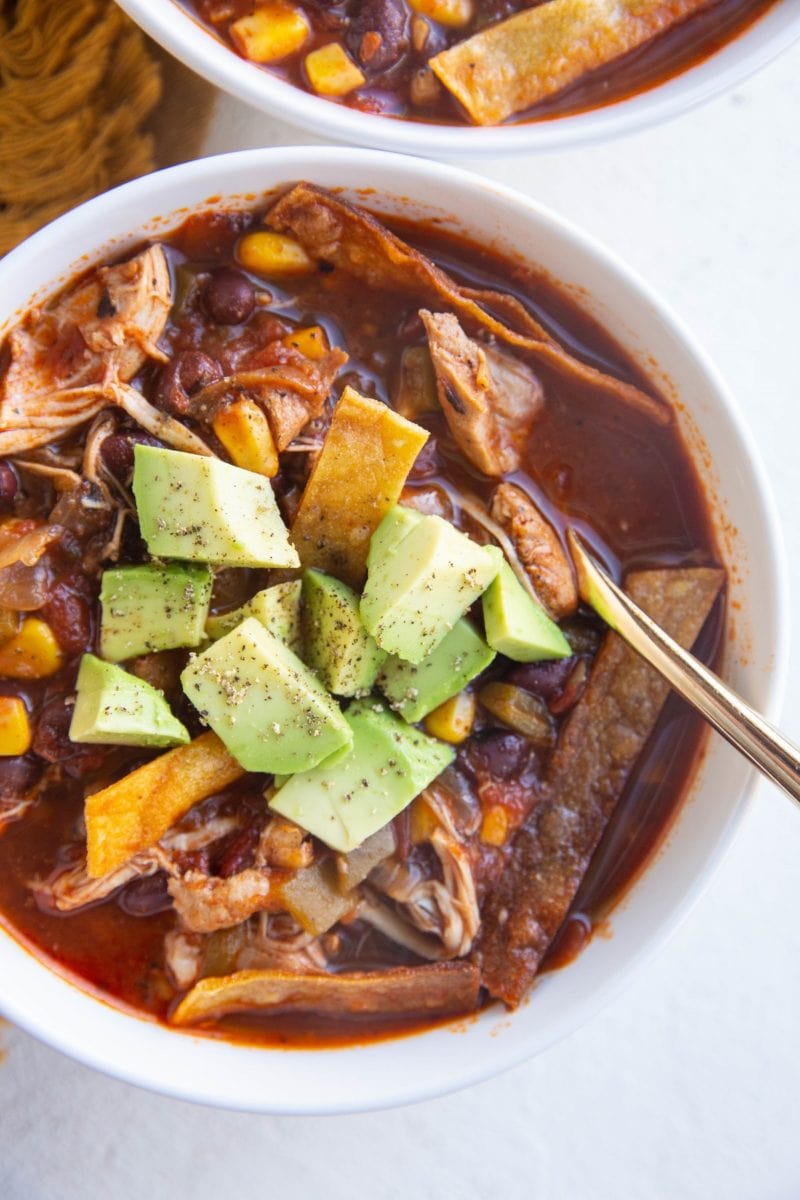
column 270, row 33
column 33, row 653
column 422, row 822
column 494, row 826
column 331, row 71
column 266, row 253
column 9, row 623
column 244, row 431
column 15, row 727
column 310, row 342
column 453, row 720
column 454, row 13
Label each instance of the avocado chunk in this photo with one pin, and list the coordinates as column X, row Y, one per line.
column 393, row 528
column 420, row 583
column 276, row 607
column 113, row 707
column 336, row 645
column 414, row 690
column 268, row 708
column 516, row 625
column 205, row 510
column 389, row 764
column 152, row 607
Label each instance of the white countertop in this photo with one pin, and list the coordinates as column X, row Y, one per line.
column 688, row 1087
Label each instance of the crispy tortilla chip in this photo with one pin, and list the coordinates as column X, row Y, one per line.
column 136, row 811
column 510, row 66
column 334, row 231
column 597, row 750
column 365, row 459
column 437, row 989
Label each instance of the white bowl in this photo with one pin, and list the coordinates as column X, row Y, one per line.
column 396, row 1072
column 170, row 24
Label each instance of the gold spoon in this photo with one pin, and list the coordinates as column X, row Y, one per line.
column 764, row 745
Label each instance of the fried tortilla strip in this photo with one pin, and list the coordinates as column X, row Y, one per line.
column 136, row 811
column 590, row 767
column 335, row 232
column 358, row 476
column 439, row 989
column 512, row 65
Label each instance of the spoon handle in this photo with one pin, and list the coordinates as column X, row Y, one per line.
column 733, row 717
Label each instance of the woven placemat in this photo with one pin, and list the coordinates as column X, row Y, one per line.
column 86, row 102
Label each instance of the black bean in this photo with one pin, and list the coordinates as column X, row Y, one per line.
column 145, row 897
column 427, row 461
column 545, row 679
column 378, row 34
column 184, row 375
column 8, row 483
column 18, row 775
column 497, row 755
column 117, row 452
column 228, row 297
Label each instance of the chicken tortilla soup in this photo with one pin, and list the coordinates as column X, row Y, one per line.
column 306, row 736
column 479, row 62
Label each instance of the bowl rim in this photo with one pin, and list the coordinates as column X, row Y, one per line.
column 170, row 24
column 131, row 207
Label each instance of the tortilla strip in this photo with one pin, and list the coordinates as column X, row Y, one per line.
column 334, row 231
column 512, row 65
column 135, row 812
column 438, row 989
column 358, row 476
column 597, row 750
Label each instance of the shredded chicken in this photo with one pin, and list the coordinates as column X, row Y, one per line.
column 539, row 549
column 62, row 478
column 75, row 888
column 159, row 423
column 489, row 402
column 14, row 808
column 387, row 921
column 63, row 368
column 208, row 902
column 183, row 957
column 447, row 908
column 266, row 941
column 284, row 844
column 276, row 940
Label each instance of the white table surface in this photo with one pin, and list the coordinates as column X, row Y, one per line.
column 689, row 1085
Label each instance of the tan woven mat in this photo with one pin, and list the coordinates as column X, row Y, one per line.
column 86, row 102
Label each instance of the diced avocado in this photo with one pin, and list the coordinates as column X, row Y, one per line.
column 418, row 586
column 389, row 764
column 393, row 528
column 113, row 707
column 152, row 607
column 336, row 645
column 268, row 708
column 516, row 625
column 414, row 690
column 205, row 510
column 276, row 607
